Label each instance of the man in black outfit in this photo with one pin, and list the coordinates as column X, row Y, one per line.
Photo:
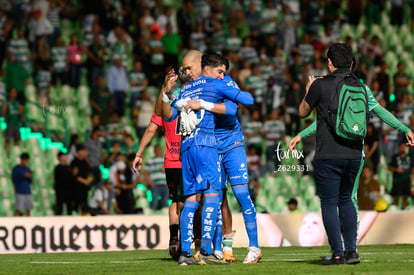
column 337, row 160
column 82, row 178
column 63, row 186
column 125, row 199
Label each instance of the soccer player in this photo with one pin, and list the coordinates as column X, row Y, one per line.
column 199, row 154
column 172, row 163
column 233, row 163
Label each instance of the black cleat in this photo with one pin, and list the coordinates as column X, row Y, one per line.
column 352, row 257
column 174, row 249
column 333, row 260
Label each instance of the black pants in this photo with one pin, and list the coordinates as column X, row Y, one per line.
column 63, row 197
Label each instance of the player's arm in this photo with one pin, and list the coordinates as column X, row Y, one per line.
column 166, row 87
column 305, row 108
column 226, row 108
column 234, row 94
column 392, row 121
column 145, row 140
column 308, row 131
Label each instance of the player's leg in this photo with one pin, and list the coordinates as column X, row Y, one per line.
column 207, row 171
column 191, row 204
column 173, row 176
column 236, row 168
column 348, row 211
column 218, row 234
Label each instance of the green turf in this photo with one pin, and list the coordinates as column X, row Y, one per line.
column 382, row 259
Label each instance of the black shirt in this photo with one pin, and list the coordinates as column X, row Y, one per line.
column 328, row 144
column 83, row 170
column 63, row 178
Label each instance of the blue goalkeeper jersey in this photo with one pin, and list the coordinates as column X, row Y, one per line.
column 228, row 129
column 211, row 90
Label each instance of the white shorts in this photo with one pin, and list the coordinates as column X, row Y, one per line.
column 24, row 202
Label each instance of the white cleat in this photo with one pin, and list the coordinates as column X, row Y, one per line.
column 218, row 254
column 253, row 256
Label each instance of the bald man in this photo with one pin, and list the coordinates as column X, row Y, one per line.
column 199, row 152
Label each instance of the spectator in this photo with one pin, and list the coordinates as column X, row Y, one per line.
column 156, row 51
column 53, row 15
column 96, row 56
column 253, row 17
column 125, row 198
column 292, row 205
column 22, row 179
column 115, row 129
column 60, row 62
column 114, row 154
column 254, row 163
column 233, row 42
column 39, row 25
column 17, row 77
column 118, row 85
column 101, row 100
column 154, row 175
column 13, row 115
column 121, row 46
column 137, row 83
column 167, row 18
column 6, row 32
column 103, row 200
column 129, row 146
column 294, row 96
column 186, row 21
column 402, row 167
column 18, row 50
column 171, row 43
column 146, row 109
column 247, row 52
column 401, row 82
column 372, row 140
column 75, row 61
column 107, row 16
column 274, row 129
column 288, row 26
column 82, row 179
column 368, row 190
column 269, row 17
column 383, row 78
column 354, row 11
column 63, row 185
column 95, row 156
column 397, row 12
column 74, row 141
column 43, row 81
column 197, row 39
column 257, row 85
column 254, row 131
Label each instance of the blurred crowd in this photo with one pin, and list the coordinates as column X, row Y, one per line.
column 121, row 50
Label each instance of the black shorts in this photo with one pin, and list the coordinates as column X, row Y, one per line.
column 175, row 183
column 401, row 188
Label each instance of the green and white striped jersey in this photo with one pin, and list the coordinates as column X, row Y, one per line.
column 157, row 58
column 59, row 56
column 274, row 129
column 154, row 167
column 251, row 127
column 19, row 49
column 233, row 43
column 136, row 77
column 258, row 84
column 43, row 79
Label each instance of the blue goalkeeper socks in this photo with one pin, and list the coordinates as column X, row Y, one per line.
column 208, row 221
column 186, row 225
column 218, row 235
column 241, row 192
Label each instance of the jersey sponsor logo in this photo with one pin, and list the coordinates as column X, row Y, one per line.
column 235, row 177
column 245, row 175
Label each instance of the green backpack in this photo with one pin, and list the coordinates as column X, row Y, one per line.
column 348, row 113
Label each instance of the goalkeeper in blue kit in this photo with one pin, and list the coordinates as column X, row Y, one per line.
column 199, row 154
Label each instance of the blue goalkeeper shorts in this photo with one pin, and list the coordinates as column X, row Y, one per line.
column 200, row 166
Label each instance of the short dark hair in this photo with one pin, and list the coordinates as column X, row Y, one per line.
column 213, row 60
column 24, row 156
column 340, row 55
column 293, row 201
column 60, row 154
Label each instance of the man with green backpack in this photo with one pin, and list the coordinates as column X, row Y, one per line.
column 343, row 105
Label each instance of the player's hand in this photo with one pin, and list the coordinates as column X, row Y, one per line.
column 137, row 162
column 193, row 105
column 182, row 103
column 169, row 81
column 410, row 138
column 294, row 142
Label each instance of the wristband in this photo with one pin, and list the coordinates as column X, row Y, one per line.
column 165, row 98
column 206, row 105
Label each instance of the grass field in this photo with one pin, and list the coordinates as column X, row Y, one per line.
column 379, row 259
